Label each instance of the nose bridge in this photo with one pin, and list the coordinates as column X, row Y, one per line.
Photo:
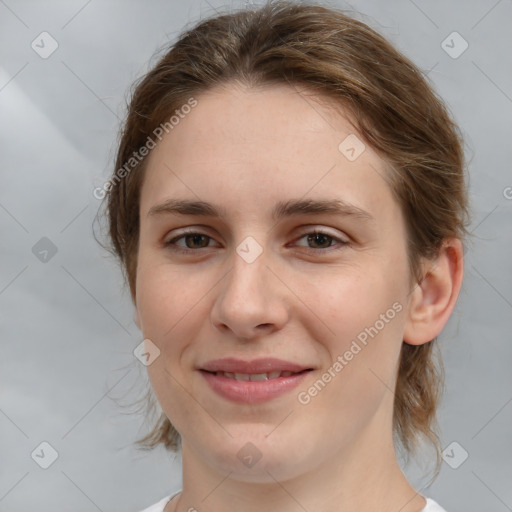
column 248, row 266
column 247, row 297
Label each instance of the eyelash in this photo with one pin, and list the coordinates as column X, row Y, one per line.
column 171, row 243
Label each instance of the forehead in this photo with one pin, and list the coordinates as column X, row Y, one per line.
column 251, row 148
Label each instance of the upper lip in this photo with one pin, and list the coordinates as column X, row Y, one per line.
column 262, row 365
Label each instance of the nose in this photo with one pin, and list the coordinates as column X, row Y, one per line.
column 251, row 299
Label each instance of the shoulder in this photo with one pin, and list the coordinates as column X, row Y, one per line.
column 432, row 506
column 158, row 507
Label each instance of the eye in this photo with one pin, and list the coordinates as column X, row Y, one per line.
column 193, row 240
column 323, row 239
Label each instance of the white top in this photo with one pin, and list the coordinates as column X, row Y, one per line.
column 431, row 506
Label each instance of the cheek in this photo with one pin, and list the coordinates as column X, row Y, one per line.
column 365, row 315
column 171, row 306
column 363, row 359
column 166, row 301
column 164, row 295
column 350, row 300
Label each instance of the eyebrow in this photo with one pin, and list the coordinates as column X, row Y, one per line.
column 281, row 210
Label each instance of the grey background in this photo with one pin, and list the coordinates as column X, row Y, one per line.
column 67, row 369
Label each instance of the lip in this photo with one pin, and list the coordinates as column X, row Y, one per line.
column 252, row 392
column 261, row 365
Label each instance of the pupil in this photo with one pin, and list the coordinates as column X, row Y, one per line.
column 318, row 236
column 195, row 238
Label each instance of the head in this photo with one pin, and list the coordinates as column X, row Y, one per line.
column 272, row 105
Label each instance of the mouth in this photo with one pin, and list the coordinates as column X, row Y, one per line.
column 255, row 381
column 253, row 377
column 253, row 388
column 262, row 366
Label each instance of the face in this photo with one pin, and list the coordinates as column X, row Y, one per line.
column 249, row 285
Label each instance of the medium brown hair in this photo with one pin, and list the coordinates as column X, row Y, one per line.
column 396, row 111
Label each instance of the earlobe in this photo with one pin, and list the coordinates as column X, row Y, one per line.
column 434, row 298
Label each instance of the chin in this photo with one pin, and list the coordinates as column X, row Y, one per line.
column 256, row 454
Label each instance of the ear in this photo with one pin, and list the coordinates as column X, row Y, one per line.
column 434, row 298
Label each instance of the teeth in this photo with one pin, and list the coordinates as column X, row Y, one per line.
column 255, row 376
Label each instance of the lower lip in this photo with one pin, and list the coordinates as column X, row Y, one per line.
column 252, row 392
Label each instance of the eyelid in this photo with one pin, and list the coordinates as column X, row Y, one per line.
column 198, row 230
column 315, row 228
column 339, row 243
column 306, row 229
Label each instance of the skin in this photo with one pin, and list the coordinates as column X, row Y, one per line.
column 246, row 149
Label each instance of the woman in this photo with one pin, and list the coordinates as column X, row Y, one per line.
column 289, row 206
